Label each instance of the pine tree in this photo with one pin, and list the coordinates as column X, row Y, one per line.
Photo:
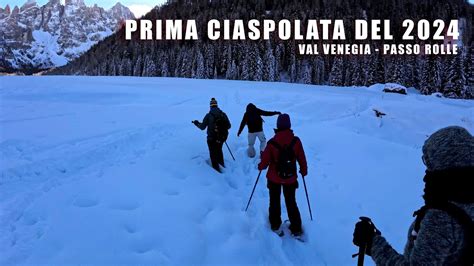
column 376, row 70
column 149, row 67
column 137, row 68
column 244, row 72
column 103, row 69
column 209, row 60
column 125, row 67
column 255, row 64
column 278, row 61
column 357, row 77
column 231, row 72
column 177, row 67
column 469, row 71
column 292, row 69
column 244, row 57
column 185, row 66
column 258, row 68
column 306, row 73
column 200, row 71
column 113, row 68
column 396, row 73
column 318, row 71
column 164, row 69
column 226, row 60
column 454, row 79
column 336, row 77
column 436, row 74
column 407, row 69
column 349, row 73
column 269, row 68
column 426, row 86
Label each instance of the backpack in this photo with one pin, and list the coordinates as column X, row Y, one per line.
column 221, row 129
column 467, row 257
column 286, row 163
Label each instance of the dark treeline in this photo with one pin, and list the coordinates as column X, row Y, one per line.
column 277, row 60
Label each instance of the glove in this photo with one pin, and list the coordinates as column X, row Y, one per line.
column 303, row 173
column 278, row 113
column 195, row 122
column 364, row 234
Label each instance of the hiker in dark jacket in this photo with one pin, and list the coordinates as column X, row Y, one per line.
column 253, row 119
column 284, row 137
column 439, row 235
column 216, row 134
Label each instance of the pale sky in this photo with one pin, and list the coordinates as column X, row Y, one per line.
column 138, row 7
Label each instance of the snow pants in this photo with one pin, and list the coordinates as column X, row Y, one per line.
column 252, row 138
column 289, row 191
column 215, row 152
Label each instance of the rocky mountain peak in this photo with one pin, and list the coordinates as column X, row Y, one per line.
column 120, row 10
column 7, row 9
column 51, row 35
column 28, row 4
column 117, row 5
column 77, row 3
column 16, row 11
column 4, row 12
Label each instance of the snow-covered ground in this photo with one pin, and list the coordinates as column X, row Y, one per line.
column 97, row 170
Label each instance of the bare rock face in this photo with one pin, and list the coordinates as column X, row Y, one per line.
column 38, row 37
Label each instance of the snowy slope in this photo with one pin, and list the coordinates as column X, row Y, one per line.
column 111, row 170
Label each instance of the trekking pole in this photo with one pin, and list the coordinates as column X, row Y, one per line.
column 361, row 254
column 307, row 199
column 253, row 190
column 362, row 247
column 229, row 150
column 360, row 259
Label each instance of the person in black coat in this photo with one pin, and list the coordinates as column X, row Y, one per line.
column 253, row 119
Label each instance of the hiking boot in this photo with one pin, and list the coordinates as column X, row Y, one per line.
column 295, row 231
column 278, row 231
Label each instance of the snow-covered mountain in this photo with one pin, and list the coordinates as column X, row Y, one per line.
column 110, row 170
column 33, row 36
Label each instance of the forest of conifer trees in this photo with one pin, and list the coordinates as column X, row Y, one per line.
column 276, row 60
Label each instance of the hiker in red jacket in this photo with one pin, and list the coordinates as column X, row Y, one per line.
column 281, row 155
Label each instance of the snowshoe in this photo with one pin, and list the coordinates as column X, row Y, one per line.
column 300, row 236
column 208, row 161
column 251, row 152
column 279, row 232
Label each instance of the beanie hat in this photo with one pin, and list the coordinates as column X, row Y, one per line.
column 449, row 148
column 213, row 102
column 283, row 122
column 251, row 107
